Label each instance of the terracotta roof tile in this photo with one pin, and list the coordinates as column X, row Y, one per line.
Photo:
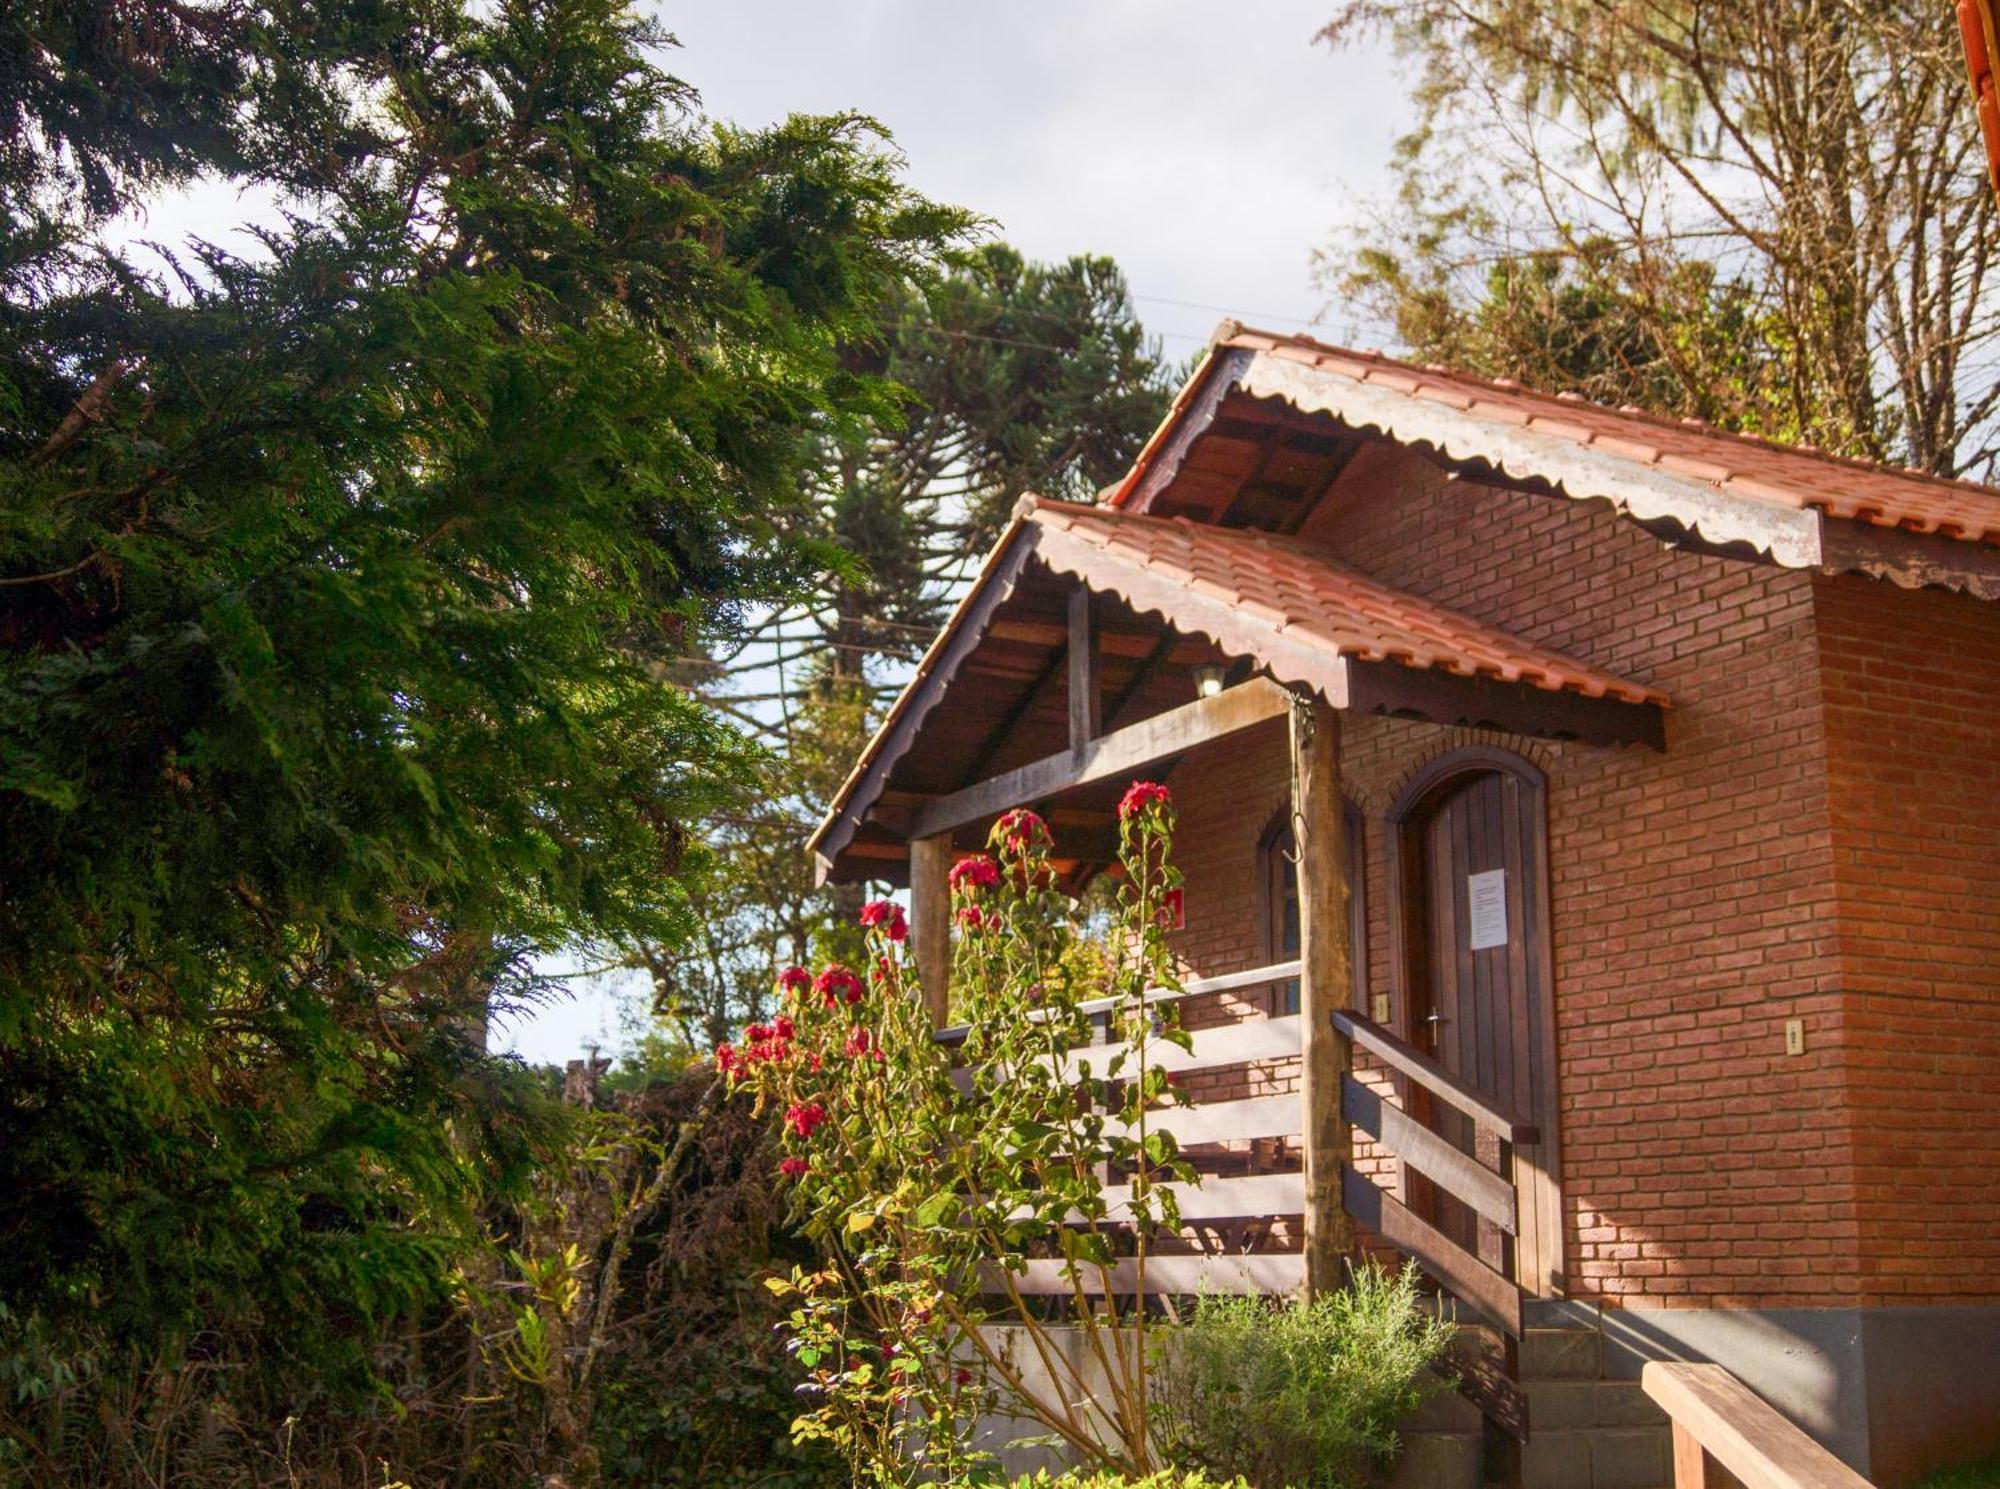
column 1313, row 599
column 1745, row 466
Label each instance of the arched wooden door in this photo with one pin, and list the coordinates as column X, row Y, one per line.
column 1472, row 841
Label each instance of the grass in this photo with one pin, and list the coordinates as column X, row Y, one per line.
column 1985, row 1475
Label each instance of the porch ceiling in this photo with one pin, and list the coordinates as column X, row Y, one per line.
column 1175, row 594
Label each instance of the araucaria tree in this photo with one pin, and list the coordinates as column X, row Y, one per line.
column 1770, row 213
column 339, row 564
column 1009, row 376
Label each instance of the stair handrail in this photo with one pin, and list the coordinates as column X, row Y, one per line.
column 1721, row 1425
column 1433, row 1077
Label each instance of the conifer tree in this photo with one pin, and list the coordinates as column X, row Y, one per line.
column 340, row 565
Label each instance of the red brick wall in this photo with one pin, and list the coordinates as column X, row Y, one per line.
column 1912, row 695
column 1692, row 891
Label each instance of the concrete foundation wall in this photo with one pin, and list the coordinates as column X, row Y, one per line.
column 1895, row 1392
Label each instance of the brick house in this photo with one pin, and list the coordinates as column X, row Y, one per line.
column 1643, row 787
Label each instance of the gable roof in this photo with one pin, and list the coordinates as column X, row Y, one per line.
column 1682, row 474
column 1307, row 618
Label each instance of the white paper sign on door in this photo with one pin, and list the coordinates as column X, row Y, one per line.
column 1486, row 895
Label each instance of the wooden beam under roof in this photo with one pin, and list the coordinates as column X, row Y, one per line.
column 1109, row 755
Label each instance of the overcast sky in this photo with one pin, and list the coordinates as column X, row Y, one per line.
column 1207, row 148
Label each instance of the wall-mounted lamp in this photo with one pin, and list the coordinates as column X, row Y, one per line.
column 1208, row 679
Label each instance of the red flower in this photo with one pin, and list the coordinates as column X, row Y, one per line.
column 1021, row 830
column 837, row 985
column 970, row 918
column 794, row 1168
column 961, row 1377
column 804, row 1117
column 974, row 873
column 794, row 980
column 886, row 916
column 1173, row 910
column 861, row 1044
column 784, row 1028
column 725, row 1059
column 1141, row 795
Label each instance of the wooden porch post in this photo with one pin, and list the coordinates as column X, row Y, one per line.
column 1086, row 719
column 1325, row 957
column 930, row 921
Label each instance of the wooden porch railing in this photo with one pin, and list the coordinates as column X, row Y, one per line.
column 1256, row 1038
column 1489, row 1193
column 1216, row 1199
column 1724, row 1432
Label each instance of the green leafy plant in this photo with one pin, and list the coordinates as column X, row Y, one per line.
column 1300, row 1395
column 932, row 1178
column 1109, row 1479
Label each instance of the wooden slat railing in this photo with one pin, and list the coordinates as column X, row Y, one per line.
column 1408, row 1060
column 1228, row 982
column 1488, row 1293
column 1216, row 1198
column 1722, row 1427
column 1492, row 1294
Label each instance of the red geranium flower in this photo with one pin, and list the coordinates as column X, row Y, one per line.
column 804, row 1117
column 725, row 1059
column 970, row 917
column 1141, row 795
column 794, row 980
column 837, row 985
column 974, row 873
column 794, row 1168
column 886, row 916
column 1173, row 910
column 784, row 1028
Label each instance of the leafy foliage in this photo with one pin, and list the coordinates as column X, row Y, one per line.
column 928, row 1194
column 1293, row 1395
column 338, row 576
column 1166, row 1478
column 1768, row 213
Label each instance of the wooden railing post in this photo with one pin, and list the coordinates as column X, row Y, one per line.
column 930, row 921
column 1325, row 958
column 1726, row 1434
column 1693, row 1468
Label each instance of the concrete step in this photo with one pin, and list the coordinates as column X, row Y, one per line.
column 1440, row 1460
column 1559, row 1404
column 1596, row 1458
column 1562, row 1354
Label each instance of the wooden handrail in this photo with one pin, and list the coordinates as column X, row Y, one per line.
column 1228, row 982
column 1433, row 1077
column 1720, row 1423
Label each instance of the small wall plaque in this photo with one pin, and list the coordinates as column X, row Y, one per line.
column 1486, row 898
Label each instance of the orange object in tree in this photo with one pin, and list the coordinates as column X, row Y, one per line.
column 1976, row 26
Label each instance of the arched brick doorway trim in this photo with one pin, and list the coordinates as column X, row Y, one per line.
column 1472, row 961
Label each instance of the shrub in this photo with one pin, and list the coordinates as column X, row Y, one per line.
column 930, row 1188
column 1291, row 1395
column 1106, row 1479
